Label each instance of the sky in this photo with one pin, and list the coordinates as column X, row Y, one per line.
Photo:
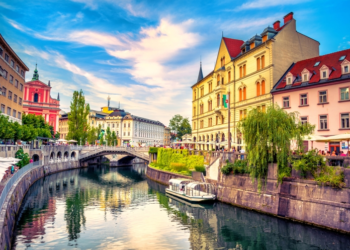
column 146, row 54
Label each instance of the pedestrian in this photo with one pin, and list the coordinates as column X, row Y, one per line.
column 12, row 169
column 242, row 152
column 31, row 161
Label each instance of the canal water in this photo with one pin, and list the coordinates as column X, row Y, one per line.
column 119, row 208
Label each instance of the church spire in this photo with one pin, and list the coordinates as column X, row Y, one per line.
column 49, row 84
column 200, row 75
column 36, row 74
column 58, row 96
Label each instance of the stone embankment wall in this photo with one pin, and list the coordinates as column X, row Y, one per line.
column 163, row 177
column 16, row 194
column 295, row 199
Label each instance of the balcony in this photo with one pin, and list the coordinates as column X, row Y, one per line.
column 220, row 109
column 220, row 88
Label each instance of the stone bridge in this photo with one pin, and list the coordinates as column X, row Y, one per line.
column 98, row 152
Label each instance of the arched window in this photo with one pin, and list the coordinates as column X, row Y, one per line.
column 229, row 76
column 240, row 94
column 244, row 70
column 36, row 97
column 223, row 137
column 258, row 89
column 212, row 137
column 263, row 62
column 194, row 111
column 240, row 71
column 244, row 93
column 194, row 94
column 218, row 100
column 218, row 80
column 258, row 63
column 263, row 87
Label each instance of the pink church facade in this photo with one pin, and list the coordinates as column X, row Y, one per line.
column 318, row 89
column 38, row 101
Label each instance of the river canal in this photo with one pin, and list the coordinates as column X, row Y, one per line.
column 119, row 208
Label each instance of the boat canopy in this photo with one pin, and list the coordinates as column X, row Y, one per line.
column 200, row 187
column 179, row 181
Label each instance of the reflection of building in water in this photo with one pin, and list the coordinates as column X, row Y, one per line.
column 35, row 227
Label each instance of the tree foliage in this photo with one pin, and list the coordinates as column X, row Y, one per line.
column 268, row 135
column 78, row 118
column 180, row 125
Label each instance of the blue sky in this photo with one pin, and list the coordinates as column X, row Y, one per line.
column 145, row 54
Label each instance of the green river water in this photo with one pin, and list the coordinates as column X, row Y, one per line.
column 104, row 207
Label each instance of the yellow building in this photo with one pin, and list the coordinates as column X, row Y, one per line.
column 244, row 73
column 63, row 125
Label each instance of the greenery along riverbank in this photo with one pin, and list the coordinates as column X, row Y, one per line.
column 177, row 161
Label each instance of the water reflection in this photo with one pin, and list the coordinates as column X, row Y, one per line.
column 118, row 208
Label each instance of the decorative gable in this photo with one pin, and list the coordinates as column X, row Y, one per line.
column 345, row 67
column 290, row 78
column 305, row 75
column 324, row 72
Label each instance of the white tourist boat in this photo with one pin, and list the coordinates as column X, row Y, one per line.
column 190, row 190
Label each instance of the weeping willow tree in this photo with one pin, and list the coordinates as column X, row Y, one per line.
column 267, row 137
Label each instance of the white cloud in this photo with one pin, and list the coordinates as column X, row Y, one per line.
column 259, row 4
column 6, row 6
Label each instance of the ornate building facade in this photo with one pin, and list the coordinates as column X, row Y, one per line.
column 12, row 78
column 38, row 100
column 244, row 74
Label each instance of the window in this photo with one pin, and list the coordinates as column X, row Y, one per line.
column 201, row 108
column 323, row 122
column 14, row 113
column 15, row 98
column 22, row 73
column 344, row 94
column 305, row 77
column 342, row 58
column 324, row 74
column 10, row 95
column 229, row 76
column 240, row 114
column 8, row 110
column 12, row 64
column 263, row 109
column 240, row 94
column 128, row 133
column 263, row 87
column 222, row 120
column 210, row 87
column 21, row 87
column 345, row 121
column 17, row 68
column 218, row 100
column 303, row 100
column 11, row 79
column 210, row 122
column 217, row 120
column 258, row 89
column 194, row 125
column 194, row 113
column 303, row 119
column 16, row 83
column 202, row 91
column 258, row 63
column 4, row 74
column 20, row 103
column 263, row 62
column 7, row 57
column 217, row 80
column 194, row 94
column 1, row 51
column 346, row 69
column 240, row 71
column 316, row 64
column 19, row 115
column 323, row 96
column 36, row 97
column 286, row 102
column 289, row 81
column 244, row 70
column 244, row 93
column 3, row 108
column 3, row 91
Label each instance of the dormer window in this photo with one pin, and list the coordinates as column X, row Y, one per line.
column 289, row 81
column 345, row 66
column 324, row 74
column 346, row 69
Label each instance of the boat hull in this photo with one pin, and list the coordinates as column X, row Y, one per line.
column 191, row 198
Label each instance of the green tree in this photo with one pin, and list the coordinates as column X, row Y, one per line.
column 18, row 131
column 57, row 135
column 109, row 137
column 268, row 135
column 180, row 126
column 78, row 118
column 102, row 140
column 92, row 135
column 114, row 139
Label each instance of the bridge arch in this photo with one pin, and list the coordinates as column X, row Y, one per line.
column 66, row 154
column 73, row 154
column 35, row 157
column 59, row 155
column 52, row 156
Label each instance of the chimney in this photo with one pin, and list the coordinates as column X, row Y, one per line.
column 276, row 25
column 288, row 17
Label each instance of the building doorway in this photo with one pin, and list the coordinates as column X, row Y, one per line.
column 334, row 146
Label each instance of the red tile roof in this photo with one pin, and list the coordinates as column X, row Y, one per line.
column 233, row 46
column 330, row 60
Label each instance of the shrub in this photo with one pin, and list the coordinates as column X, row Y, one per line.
column 178, row 167
column 200, row 169
column 239, row 167
column 23, row 156
column 309, row 162
column 331, row 176
column 153, row 150
column 195, row 160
